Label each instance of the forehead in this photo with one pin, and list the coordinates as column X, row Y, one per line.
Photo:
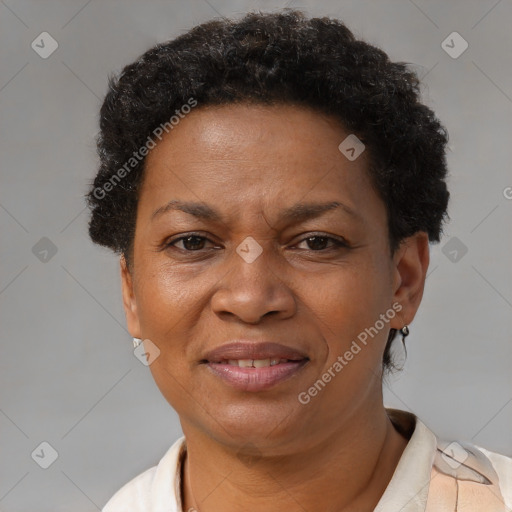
column 233, row 130
column 239, row 156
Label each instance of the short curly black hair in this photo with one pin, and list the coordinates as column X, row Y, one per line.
column 274, row 58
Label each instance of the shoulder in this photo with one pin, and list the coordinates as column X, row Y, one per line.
column 154, row 490
column 479, row 479
column 502, row 465
column 134, row 494
column 436, row 475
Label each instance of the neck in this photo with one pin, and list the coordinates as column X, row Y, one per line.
column 345, row 471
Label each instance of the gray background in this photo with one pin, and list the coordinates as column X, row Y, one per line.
column 68, row 375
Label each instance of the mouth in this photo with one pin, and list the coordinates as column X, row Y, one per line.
column 254, row 367
column 255, row 363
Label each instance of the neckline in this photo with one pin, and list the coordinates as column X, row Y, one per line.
column 404, row 423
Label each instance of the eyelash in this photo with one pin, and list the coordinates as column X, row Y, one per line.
column 338, row 243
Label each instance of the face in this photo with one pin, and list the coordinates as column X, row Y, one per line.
column 252, row 227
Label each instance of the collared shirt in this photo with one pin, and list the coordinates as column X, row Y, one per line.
column 431, row 476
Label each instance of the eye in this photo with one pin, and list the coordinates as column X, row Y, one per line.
column 190, row 243
column 193, row 242
column 321, row 242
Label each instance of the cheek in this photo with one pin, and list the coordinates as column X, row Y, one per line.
column 169, row 306
column 347, row 303
column 168, row 299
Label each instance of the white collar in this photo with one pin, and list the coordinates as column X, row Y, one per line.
column 408, row 488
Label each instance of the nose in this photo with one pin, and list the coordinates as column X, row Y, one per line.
column 249, row 291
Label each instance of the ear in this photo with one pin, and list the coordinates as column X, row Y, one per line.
column 410, row 264
column 129, row 301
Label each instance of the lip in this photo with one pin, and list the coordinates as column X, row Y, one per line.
column 254, row 379
column 248, row 350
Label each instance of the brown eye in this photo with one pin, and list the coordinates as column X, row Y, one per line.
column 190, row 243
column 317, row 243
column 321, row 242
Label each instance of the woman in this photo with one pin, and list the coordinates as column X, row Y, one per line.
column 271, row 185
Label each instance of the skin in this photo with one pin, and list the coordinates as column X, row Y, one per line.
column 249, row 162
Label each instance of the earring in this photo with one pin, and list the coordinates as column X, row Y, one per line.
column 404, row 331
column 136, row 342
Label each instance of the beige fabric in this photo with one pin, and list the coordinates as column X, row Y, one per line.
column 474, row 485
column 431, row 476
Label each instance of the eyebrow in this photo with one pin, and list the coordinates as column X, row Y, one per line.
column 298, row 212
